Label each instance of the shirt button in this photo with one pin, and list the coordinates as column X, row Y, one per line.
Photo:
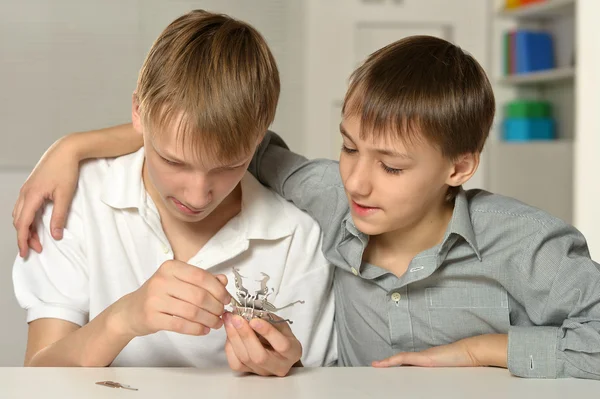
column 354, row 271
column 396, row 297
column 166, row 249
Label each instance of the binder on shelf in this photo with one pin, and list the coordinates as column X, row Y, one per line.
column 528, row 51
column 512, row 4
column 527, row 120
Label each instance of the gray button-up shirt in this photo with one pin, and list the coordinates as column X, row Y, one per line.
column 502, row 267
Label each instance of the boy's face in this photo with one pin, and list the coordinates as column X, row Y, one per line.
column 190, row 187
column 394, row 186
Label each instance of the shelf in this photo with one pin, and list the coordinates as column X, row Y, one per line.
column 534, row 147
column 547, row 9
column 548, row 76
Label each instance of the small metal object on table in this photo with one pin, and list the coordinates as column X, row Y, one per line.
column 112, row 384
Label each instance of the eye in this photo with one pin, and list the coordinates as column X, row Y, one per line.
column 170, row 162
column 389, row 170
column 348, row 150
column 226, row 169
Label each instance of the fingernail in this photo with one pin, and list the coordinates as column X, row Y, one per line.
column 227, row 318
column 237, row 321
column 57, row 233
column 257, row 324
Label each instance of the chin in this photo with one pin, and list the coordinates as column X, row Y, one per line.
column 370, row 229
column 188, row 218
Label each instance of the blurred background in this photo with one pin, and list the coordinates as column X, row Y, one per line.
column 71, row 65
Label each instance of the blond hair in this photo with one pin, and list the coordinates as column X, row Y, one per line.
column 214, row 80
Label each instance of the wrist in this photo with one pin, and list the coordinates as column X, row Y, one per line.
column 116, row 322
column 75, row 145
column 489, row 349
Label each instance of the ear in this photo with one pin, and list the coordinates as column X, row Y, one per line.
column 135, row 114
column 462, row 169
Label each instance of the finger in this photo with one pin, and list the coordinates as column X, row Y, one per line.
column 187, row 311
column 167, row 322
column 239, row 349
column 391, row 361
column 260, row 357
column 16, row 213
column 286, row 345
column 281, row 325
column 202, row 279
column 17, row 208
column 406, row 359
column 196, row 296
column 34, row 240
column 235, row 340
column 25, row 219
column 222, row 279
column 62, row 203
column 234, row 363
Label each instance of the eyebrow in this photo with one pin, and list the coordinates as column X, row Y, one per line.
column 381, row 151
column 168, row 156
column 172, row 158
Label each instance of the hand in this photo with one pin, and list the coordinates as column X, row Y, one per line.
column 481, row 350
column 54, row 178
column 179, row 297
column 273, row 352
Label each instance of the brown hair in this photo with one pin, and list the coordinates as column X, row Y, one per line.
column 215, row 80
column 423, row 87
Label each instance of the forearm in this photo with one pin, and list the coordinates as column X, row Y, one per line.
column 103, row 143
column 96, row 344
column 313, row 186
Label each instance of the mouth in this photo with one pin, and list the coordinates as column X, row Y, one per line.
column 185, row 209
column 362, row 209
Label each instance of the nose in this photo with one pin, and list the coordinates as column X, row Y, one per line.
column 358, row 183
column 198, row 193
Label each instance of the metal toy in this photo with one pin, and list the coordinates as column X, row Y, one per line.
column 257, row 305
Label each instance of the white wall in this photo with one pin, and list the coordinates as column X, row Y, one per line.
column 13, row 334
column 587, row 141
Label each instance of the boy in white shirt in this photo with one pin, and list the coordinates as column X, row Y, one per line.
column 145, row 263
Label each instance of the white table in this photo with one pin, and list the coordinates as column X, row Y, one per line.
column 344, row 383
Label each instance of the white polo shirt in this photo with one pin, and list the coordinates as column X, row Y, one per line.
column 113, row 242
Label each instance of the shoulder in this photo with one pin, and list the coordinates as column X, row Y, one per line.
column 98, row 174
column 275, row 210
column 99, row 179
column 484, row 205
column 507, row 224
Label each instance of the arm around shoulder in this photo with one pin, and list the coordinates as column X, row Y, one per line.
column 313, row 186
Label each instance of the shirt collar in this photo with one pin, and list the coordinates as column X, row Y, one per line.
column 460, row 224
column 263, row 216
column 123, row 186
